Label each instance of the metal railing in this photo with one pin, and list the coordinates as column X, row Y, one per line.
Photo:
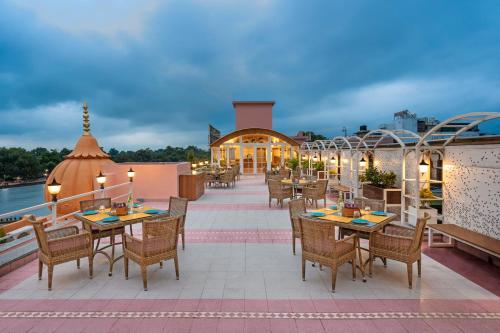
column 53, row 204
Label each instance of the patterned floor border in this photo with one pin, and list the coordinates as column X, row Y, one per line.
column 250, row 315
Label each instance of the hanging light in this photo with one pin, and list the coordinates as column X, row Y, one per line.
column 54, row 188
column 206, row 162
column 362, row 163
column 304, row 157
column 315, row 157
column 423, row 166
column 333, row 160
column 193, row 165
column 131, row 174
column 101, row 179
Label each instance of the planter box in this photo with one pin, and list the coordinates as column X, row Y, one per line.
column 392, row 196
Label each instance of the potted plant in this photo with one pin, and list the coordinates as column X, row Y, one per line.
column 379, row 185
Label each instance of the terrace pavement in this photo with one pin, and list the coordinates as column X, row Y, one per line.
column 238, row 274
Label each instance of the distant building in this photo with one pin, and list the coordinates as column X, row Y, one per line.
column 405, row 120
column 302, row 137
column 363, row 130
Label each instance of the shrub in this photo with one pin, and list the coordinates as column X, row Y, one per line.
column 379, row 178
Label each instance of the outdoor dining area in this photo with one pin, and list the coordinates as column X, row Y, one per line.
column 103, row 229
column 217, row 177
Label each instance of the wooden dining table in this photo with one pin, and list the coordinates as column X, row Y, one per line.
column 297, row 184
column 95, row 222
column 375, row 224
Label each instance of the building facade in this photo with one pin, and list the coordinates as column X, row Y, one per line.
column 254, row 145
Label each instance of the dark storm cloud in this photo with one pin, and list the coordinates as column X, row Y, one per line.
column 167, row 69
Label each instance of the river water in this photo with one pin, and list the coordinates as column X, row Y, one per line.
column 21, row 197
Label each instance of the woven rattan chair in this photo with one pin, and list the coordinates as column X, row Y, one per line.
column 319, row 245
column 211, row 179
column 158, row 243
column 227, row 178
column 279, row 192
column 315, row 192
column 401, row 244
column 296, row 208
column 60, row 245
column 178, row 207
column 95, row 204
column 284, row 173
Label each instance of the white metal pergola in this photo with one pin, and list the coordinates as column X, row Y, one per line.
column 309, row 150
column 434, row 142
column 402, row 140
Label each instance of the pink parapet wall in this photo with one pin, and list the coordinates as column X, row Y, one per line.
column 254, row 114
column 152, row 182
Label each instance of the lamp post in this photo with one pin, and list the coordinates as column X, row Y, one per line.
column 131, row 175
column 54, row 188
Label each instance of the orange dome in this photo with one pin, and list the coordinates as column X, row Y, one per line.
column 77, row 172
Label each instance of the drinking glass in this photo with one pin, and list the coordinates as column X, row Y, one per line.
column 101, row 209
column 356, row 214
column 367, row 209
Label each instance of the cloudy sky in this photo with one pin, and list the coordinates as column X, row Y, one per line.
column 156, row 73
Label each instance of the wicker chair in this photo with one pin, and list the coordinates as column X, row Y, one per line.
column 158, row 243
column 316, row 192
column 60, row 245
column 96, row 204
column 296, row 208
column 401, row 244
column 284, row 173
column 178, row 207
column 211, row 179
column 227, row 178
column 319, row 245
column 278, row 191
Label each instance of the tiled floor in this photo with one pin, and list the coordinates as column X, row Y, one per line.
column 238, row 273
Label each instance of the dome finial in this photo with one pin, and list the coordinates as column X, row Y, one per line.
column 86, row 123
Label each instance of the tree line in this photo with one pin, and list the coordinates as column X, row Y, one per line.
column 22, row 164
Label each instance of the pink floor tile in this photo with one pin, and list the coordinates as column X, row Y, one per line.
column 283, row 326
column 177, row 325
column 257, row 325
column 388, row 326
column 309, row 326
column 232, row 305
column 325, row 305
column 279, row 305
column 337, row 326
column 187, row 305
column 255, row 305
column 49, row 325
column 443, row 325
column 231, row 326
column 478, row 325
column 100, row 325
column 415, row 325
column 209, row 305
column 302, row 306
column 208, row 325
column 347, row 305
column 18, row 325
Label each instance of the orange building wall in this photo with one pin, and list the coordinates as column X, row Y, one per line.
column 152, row 181
column 254, row 115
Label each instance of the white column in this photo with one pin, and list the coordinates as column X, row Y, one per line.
column 255, row 159
column 269, row 156
column 227, row 156
column 241, row 158
column 282, row 157
column 211, row 156
column 219, row 155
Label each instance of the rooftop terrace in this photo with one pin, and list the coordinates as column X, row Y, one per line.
column 238, row 273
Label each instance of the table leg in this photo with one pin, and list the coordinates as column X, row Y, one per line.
column 361, row 265
column 112, row 261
